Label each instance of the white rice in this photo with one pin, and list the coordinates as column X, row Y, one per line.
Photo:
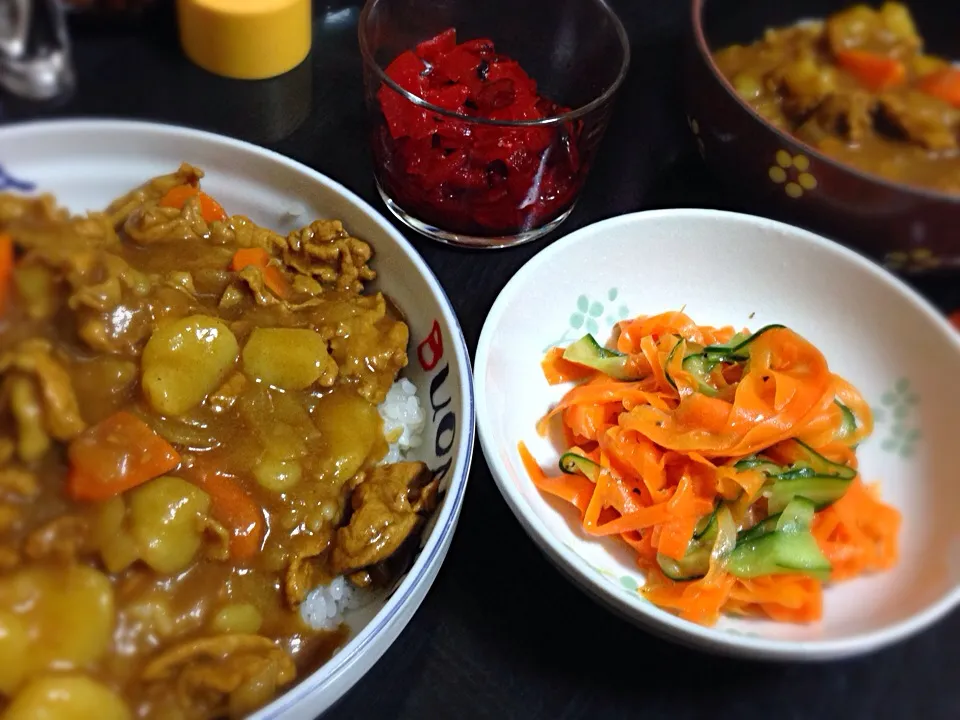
column 403, row 423
column 324, row 606
column 403, row 420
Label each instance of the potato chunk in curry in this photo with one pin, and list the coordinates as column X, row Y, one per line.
column 189, row 443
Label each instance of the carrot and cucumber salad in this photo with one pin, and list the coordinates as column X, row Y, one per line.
column 726, row 460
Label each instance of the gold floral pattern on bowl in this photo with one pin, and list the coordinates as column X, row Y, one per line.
column 920, row 258
column 792, row 171
column 695, row 129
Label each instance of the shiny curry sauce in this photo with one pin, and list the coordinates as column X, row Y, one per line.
column 860, row 88
column 189, row 442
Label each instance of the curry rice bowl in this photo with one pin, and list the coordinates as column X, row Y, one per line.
column 403, row 421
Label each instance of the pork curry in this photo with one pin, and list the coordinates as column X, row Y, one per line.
column 860, row 88
column 189, row 442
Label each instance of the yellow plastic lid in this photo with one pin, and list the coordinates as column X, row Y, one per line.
column 245, row 39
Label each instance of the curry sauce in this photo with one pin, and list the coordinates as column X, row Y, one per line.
column 189, row 443
column 860, row 88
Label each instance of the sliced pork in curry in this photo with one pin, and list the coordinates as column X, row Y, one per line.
column 189, row 443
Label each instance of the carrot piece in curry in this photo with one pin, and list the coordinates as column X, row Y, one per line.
column 118, row 453
column 260, row 258
column 177, row 196
column 6, row 269
column 873, row 70
column 232, row 506
column 943, row 84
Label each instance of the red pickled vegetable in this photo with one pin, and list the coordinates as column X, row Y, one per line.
column 465, row 176
column 955, row 319
column 433, row 48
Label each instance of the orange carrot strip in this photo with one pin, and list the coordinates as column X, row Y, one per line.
column 601, row 390
column 762, row 413
column 676, row 535
column 642, row 544
column 683, row 503
column 651, row 351
column 785, row 598
column 118, row 453
column 657, row 326
column 668, row 454
column 700, row 602
column 590, row 421
column 824, row 427
column 641, row 457
column 873, row 71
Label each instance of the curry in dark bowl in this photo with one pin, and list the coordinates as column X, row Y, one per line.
column 860, row 88
column 192, row 475
column 842, row 118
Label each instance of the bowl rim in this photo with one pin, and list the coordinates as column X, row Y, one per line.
column 603, row 98
column 703, row 49
column 572, row 565
column 329, row 676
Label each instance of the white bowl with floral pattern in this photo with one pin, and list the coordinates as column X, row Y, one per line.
column 730, row 269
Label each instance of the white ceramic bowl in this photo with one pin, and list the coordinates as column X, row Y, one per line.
column 88, row 163
column 730, row 269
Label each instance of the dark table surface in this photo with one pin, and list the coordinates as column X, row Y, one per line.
column 494, row 637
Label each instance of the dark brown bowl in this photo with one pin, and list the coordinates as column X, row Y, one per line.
column 908, row 229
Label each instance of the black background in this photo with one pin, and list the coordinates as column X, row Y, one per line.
column 502, row 634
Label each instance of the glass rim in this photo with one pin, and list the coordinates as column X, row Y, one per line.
column 571, row 114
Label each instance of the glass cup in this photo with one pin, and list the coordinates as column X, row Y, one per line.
column 467, row 149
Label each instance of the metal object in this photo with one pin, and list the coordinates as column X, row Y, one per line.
column 35, row 60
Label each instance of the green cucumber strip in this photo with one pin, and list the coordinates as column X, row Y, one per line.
column 821, row 491
column 696, row 561
column 797, row 516
column 587, row 351
column 849, row 424
column 588, row 347
column 738, row 343
column 811, row 470
column 823, row 467
column 764, row 527
column 777, row 553
column 703, row 361
column 706, row 523
column 726, row 535
column 734, row 343
column 670, row 356
column 754, row 462
column 575, row 464
column 699, row 367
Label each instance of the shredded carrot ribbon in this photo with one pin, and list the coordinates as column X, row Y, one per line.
column 666, row 454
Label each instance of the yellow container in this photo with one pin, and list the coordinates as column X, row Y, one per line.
column 245, row 39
